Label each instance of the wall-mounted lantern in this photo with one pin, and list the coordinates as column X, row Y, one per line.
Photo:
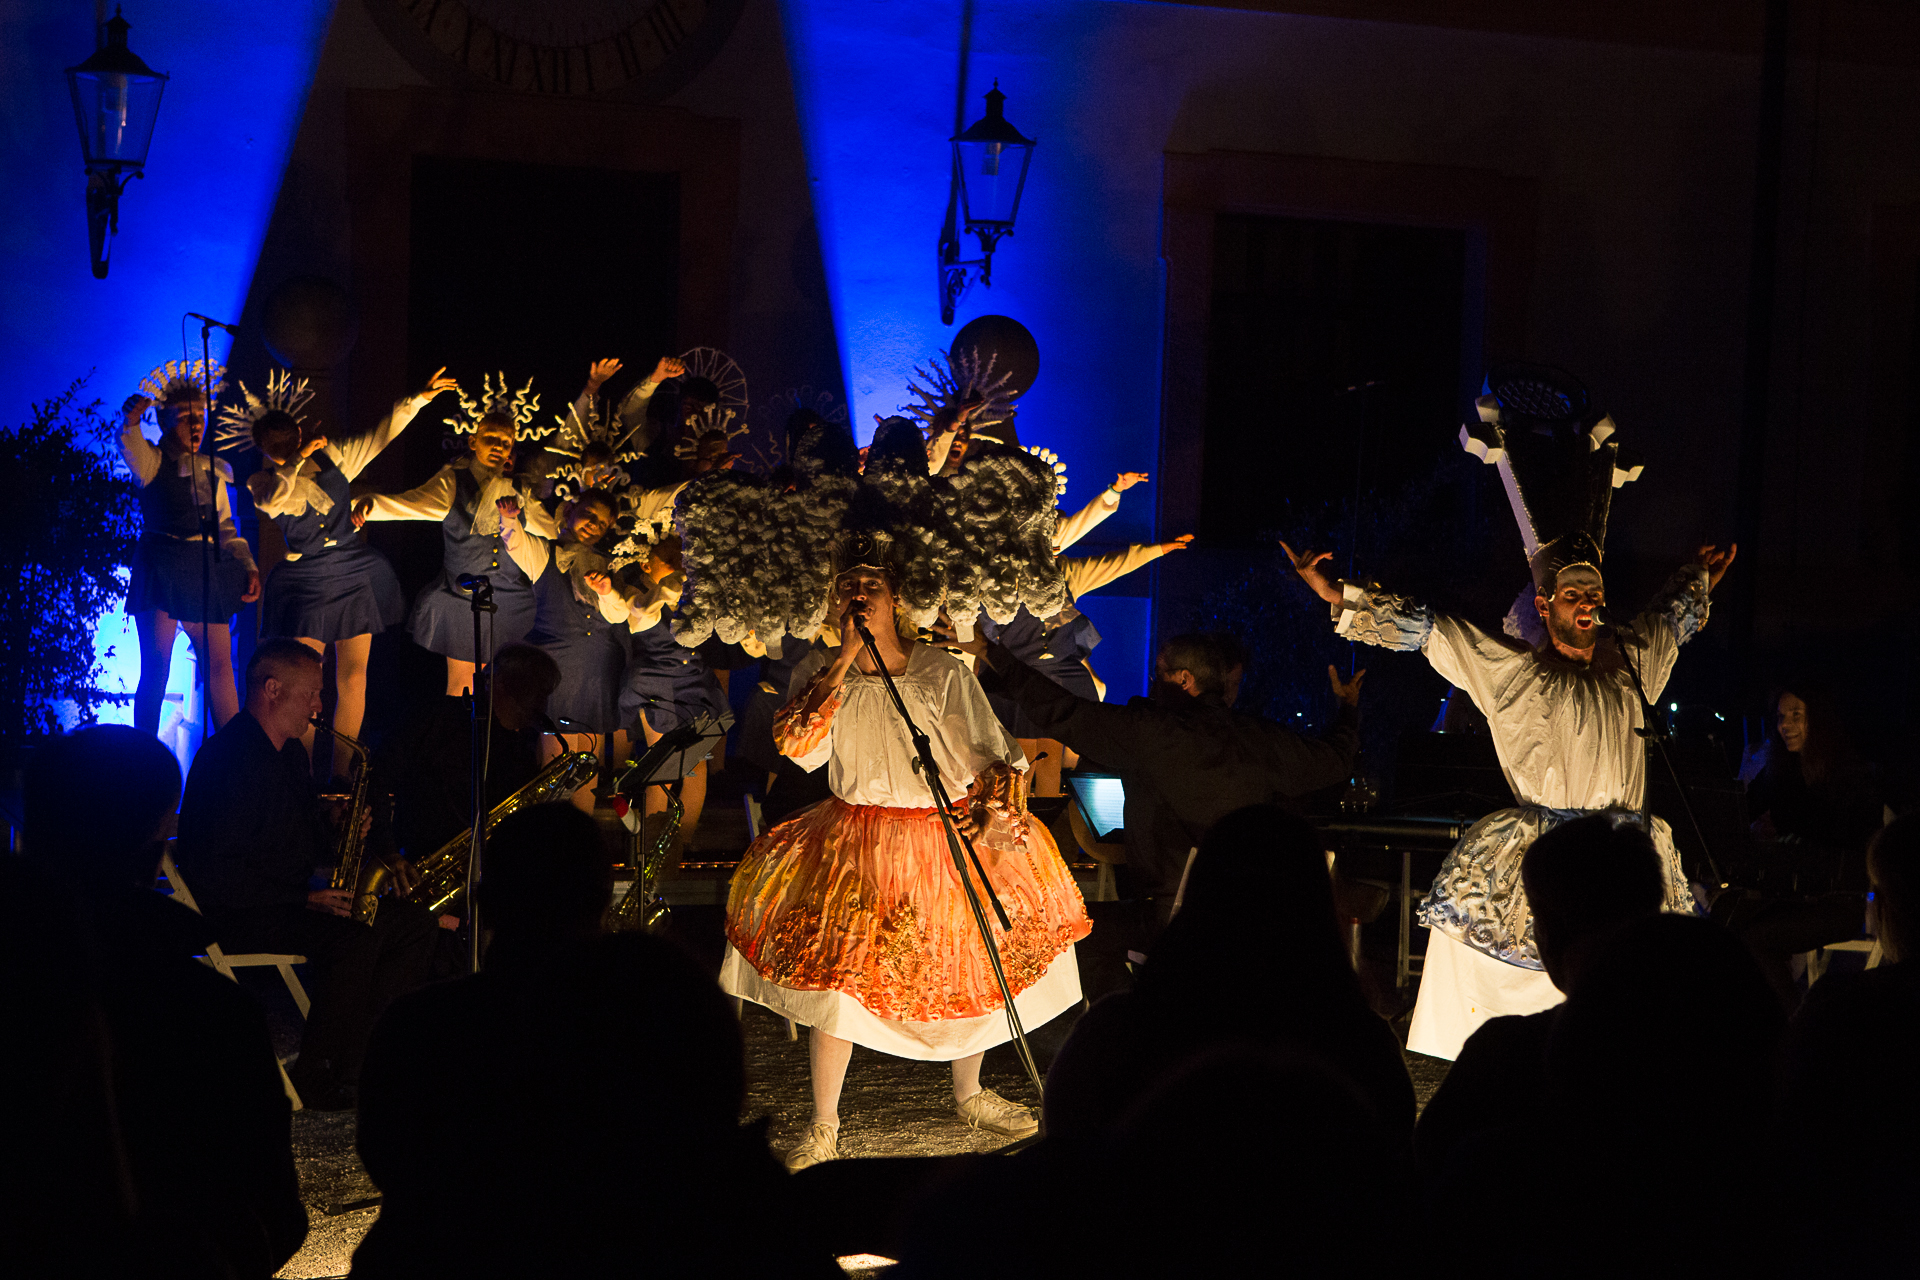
column 116, row 98
column 989, row 172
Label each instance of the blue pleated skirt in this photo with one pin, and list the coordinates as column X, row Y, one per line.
column 442, row 618
column 166, row 575
column 345, row 591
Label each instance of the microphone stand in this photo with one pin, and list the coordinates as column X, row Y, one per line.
column 929, row 770
column 480, row 595
column 1658, row 738
column 209, row 531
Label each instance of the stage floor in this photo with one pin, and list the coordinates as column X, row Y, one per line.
column 891, row 1107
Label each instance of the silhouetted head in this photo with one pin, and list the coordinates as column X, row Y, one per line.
column 1189, row 667
column 277, row 435
column 1893, row 869
column 1258, row 886
column 99, row 804
column 1664, row 1003
column 1234, row 658
column 1584, row 878
column 548, row 875
column 523, row 679
column 283, row 687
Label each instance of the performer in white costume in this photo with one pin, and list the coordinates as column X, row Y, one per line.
column 1563, row 714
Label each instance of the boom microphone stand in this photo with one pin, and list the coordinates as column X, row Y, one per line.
column 209, row 532
column 480, row 595
column 930, row 770
column 1658, row 738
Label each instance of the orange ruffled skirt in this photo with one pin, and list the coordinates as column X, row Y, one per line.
column 865, row 901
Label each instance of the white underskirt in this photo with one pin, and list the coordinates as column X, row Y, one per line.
column 1460, row 988
column 841, row 1015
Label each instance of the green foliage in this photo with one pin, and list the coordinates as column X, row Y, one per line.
column 68, row 522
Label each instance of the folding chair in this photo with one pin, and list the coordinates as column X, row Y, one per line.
column 225, row 964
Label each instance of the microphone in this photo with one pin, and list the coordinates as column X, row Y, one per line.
column 211, row 323
column 1604, row 617
column 469, row 581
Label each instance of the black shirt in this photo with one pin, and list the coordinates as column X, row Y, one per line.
column 1185, row 766
column 252, row 828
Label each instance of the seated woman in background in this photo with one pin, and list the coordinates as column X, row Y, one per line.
column 1818, row 804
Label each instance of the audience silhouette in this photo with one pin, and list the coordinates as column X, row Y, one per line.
column 1851, row 1107
column 204, row 1123
column 1582, row 879
column 1259, row 907
column 1649, row 1148
column 573, row 1109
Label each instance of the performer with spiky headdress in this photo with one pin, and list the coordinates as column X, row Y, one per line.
column 1563, row 715
column 332, row 588
column 480, row 511
column 183, row 507
column 850, row 917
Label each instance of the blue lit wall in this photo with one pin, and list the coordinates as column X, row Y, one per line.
column 189, row 232
column 877, row 85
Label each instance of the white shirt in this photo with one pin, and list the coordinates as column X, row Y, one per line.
column 1563, row 730
column 868, row 755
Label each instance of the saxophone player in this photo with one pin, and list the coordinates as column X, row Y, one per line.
column 252, row 831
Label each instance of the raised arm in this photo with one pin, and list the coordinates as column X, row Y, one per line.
column 633, row 409
column 141, row 455
column 1675, row 615
column 1089, row 573
column 355, row 455
column 1461, row 652
column 1084, row 521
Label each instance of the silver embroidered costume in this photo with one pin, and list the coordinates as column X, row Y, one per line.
column 1564, row 732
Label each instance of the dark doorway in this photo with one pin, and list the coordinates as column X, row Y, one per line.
column 1302, row 311
column 533, row 271
column 536, row 270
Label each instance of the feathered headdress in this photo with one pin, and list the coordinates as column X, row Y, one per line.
column 285, row 393
column 761, row 559
column 183, row 379
column 1052, row 460
column 943, row 387
column 500, row 399
column 1560, row 465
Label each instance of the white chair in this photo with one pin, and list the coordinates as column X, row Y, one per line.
column 225, row 964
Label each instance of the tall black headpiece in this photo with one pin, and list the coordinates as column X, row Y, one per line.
column 1559, row 462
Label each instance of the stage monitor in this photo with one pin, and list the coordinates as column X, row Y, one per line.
column 1103, row 799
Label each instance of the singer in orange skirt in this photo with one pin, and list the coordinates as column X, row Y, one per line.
column 851, row 917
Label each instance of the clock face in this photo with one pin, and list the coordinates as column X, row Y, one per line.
column 632, row 49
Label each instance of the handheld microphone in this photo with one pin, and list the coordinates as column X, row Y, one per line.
column 211, row 323
column 469, row 581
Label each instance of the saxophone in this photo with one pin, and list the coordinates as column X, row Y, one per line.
column 350, row 870
column 443, row 873
column 643, row 908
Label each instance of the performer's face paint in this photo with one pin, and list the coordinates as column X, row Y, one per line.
column 1790, row 718
column 1569, row 614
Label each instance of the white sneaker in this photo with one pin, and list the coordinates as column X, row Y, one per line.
column 988, row 1112
column 821, row 1144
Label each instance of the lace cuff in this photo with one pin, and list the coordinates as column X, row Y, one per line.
column 797, row 734
column 1684, row 601
column 1371, row 616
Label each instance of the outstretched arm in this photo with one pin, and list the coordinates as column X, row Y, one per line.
column 1088, row 573
column 355, row 455
column 431, row 501
column 1082, row 522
